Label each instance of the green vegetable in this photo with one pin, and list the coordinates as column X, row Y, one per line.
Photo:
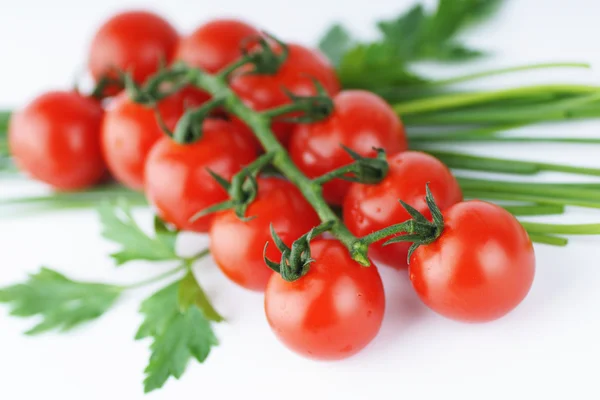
column 119, row 226
column 62, row 303
column 415, row 35
column 179, row 331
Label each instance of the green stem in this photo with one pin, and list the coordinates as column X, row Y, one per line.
column 540, row 189
column 458, row 100
column 491, row 164
column 481, row 194
column 155, row 279
column 548, row 239
column 421, row 140
column 560, row 229
column 282, row 110
column 503, row 115
column 186, row 265
column 502, row 71
column 4, row 118
column 91, row 195
column 260, row 125
column 535, row 209
column 336, row 173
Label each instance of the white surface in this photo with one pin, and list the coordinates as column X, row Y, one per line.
column 548, row 346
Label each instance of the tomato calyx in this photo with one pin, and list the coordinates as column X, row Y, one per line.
column 295, row 261
column 262, row 54
column 368, row 170
column 242, row 189
column 418, row 230
column 189, row 127
column 304, row 109
column 104, row 83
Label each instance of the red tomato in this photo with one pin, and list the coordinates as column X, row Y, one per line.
column 177, row 182
column 134, row 41
column 368, row 208
column 130, row 130
column 215, row 44
column 333, row 311
column 262, row 92
column 56, row 139
column 278, row 202
column 361, row 121
column 479, row 269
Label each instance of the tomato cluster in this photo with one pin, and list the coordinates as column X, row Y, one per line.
column 478, row 267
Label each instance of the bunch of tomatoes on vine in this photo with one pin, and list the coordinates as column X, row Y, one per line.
column 305, row 190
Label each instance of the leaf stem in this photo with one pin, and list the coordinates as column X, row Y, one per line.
column 458, row 100
column 535, row 209
column 502, row 71
column 561, row 229
column 548, row 239
column 184, row 266
column 492, row 164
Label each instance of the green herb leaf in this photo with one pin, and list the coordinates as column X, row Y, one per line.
column 177, row 335
column 375, row 65
column 404, row 34
column 335, row 43
column 118, row 225
column 190, row 292
column 61, row 303
column 413, row 36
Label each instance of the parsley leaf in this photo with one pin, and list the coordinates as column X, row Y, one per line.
column 62, row 303
column 191, row 293
column 118, row 225
column 415, row 35
column 335, row 43
column 178, row 333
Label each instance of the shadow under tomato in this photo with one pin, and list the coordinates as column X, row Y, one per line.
column 403, row 308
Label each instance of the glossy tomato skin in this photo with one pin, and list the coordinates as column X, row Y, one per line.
column 361, row 121
column 479, row 269
column 177, row 182
column 56, row 139
column 263, row 92
column 368, row 208
column 215, row 44
column 133, row 41
column 130, row 130
column 332, row 312
column 237, row 246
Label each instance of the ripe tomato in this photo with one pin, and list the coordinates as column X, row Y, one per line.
column 56, row 139
column 134, row 41
column 368, row 208
column 279, row 203
column 130, row 130
column 361, row 121
column 177, row 182
column 479, row 269
column 262, row 92
column 215, row 44
column 333, row 311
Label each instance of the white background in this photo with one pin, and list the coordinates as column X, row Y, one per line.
column 548, row 346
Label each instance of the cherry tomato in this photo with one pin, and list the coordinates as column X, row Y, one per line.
column 130, row 130
column 333, row 311
column 279, row 203
column 368, row 208
column 56, row 139
column 136, row 42
column 479, row 269
column 177, row 182
column 262, row 92
column 215, row 44
column 361, row 121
